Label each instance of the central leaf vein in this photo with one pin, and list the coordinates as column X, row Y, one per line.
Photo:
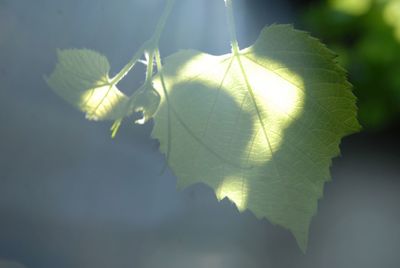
column 253, row 98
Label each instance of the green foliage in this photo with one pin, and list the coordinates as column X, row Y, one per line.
column 81, row 77
column 259, row 125
column 367, row 36
column 260, row 128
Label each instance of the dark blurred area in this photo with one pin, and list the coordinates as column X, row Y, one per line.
column 70, row 196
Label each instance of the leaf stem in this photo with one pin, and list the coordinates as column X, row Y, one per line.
column 162, row 21
column 150, row 46
column 149, row 69
column 231, row 27
column 124, row 71
column 159, row 70
column 155, row 39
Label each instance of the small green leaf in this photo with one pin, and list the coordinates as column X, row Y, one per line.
column 81, row 77
column 145, row 100
column 261, row 127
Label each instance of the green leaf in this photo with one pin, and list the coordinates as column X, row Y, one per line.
column 260, row 127
column 81, row 77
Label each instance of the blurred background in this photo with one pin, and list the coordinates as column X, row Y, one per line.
column 70, row 196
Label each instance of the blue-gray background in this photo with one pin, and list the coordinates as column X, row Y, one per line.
column 70, row 196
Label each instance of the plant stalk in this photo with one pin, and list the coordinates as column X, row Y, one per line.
column 149, row 46
column 231, row 27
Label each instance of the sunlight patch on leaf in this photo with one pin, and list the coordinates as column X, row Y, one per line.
column 235, row 189
column 278, row 98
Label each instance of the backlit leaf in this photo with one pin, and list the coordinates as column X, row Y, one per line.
column 262, row 127
column 81, row 77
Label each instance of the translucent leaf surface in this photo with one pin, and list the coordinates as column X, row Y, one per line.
column 261, row 127
column 81, row 77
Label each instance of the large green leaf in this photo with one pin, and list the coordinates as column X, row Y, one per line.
column 260, row 127
column 81, row 78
